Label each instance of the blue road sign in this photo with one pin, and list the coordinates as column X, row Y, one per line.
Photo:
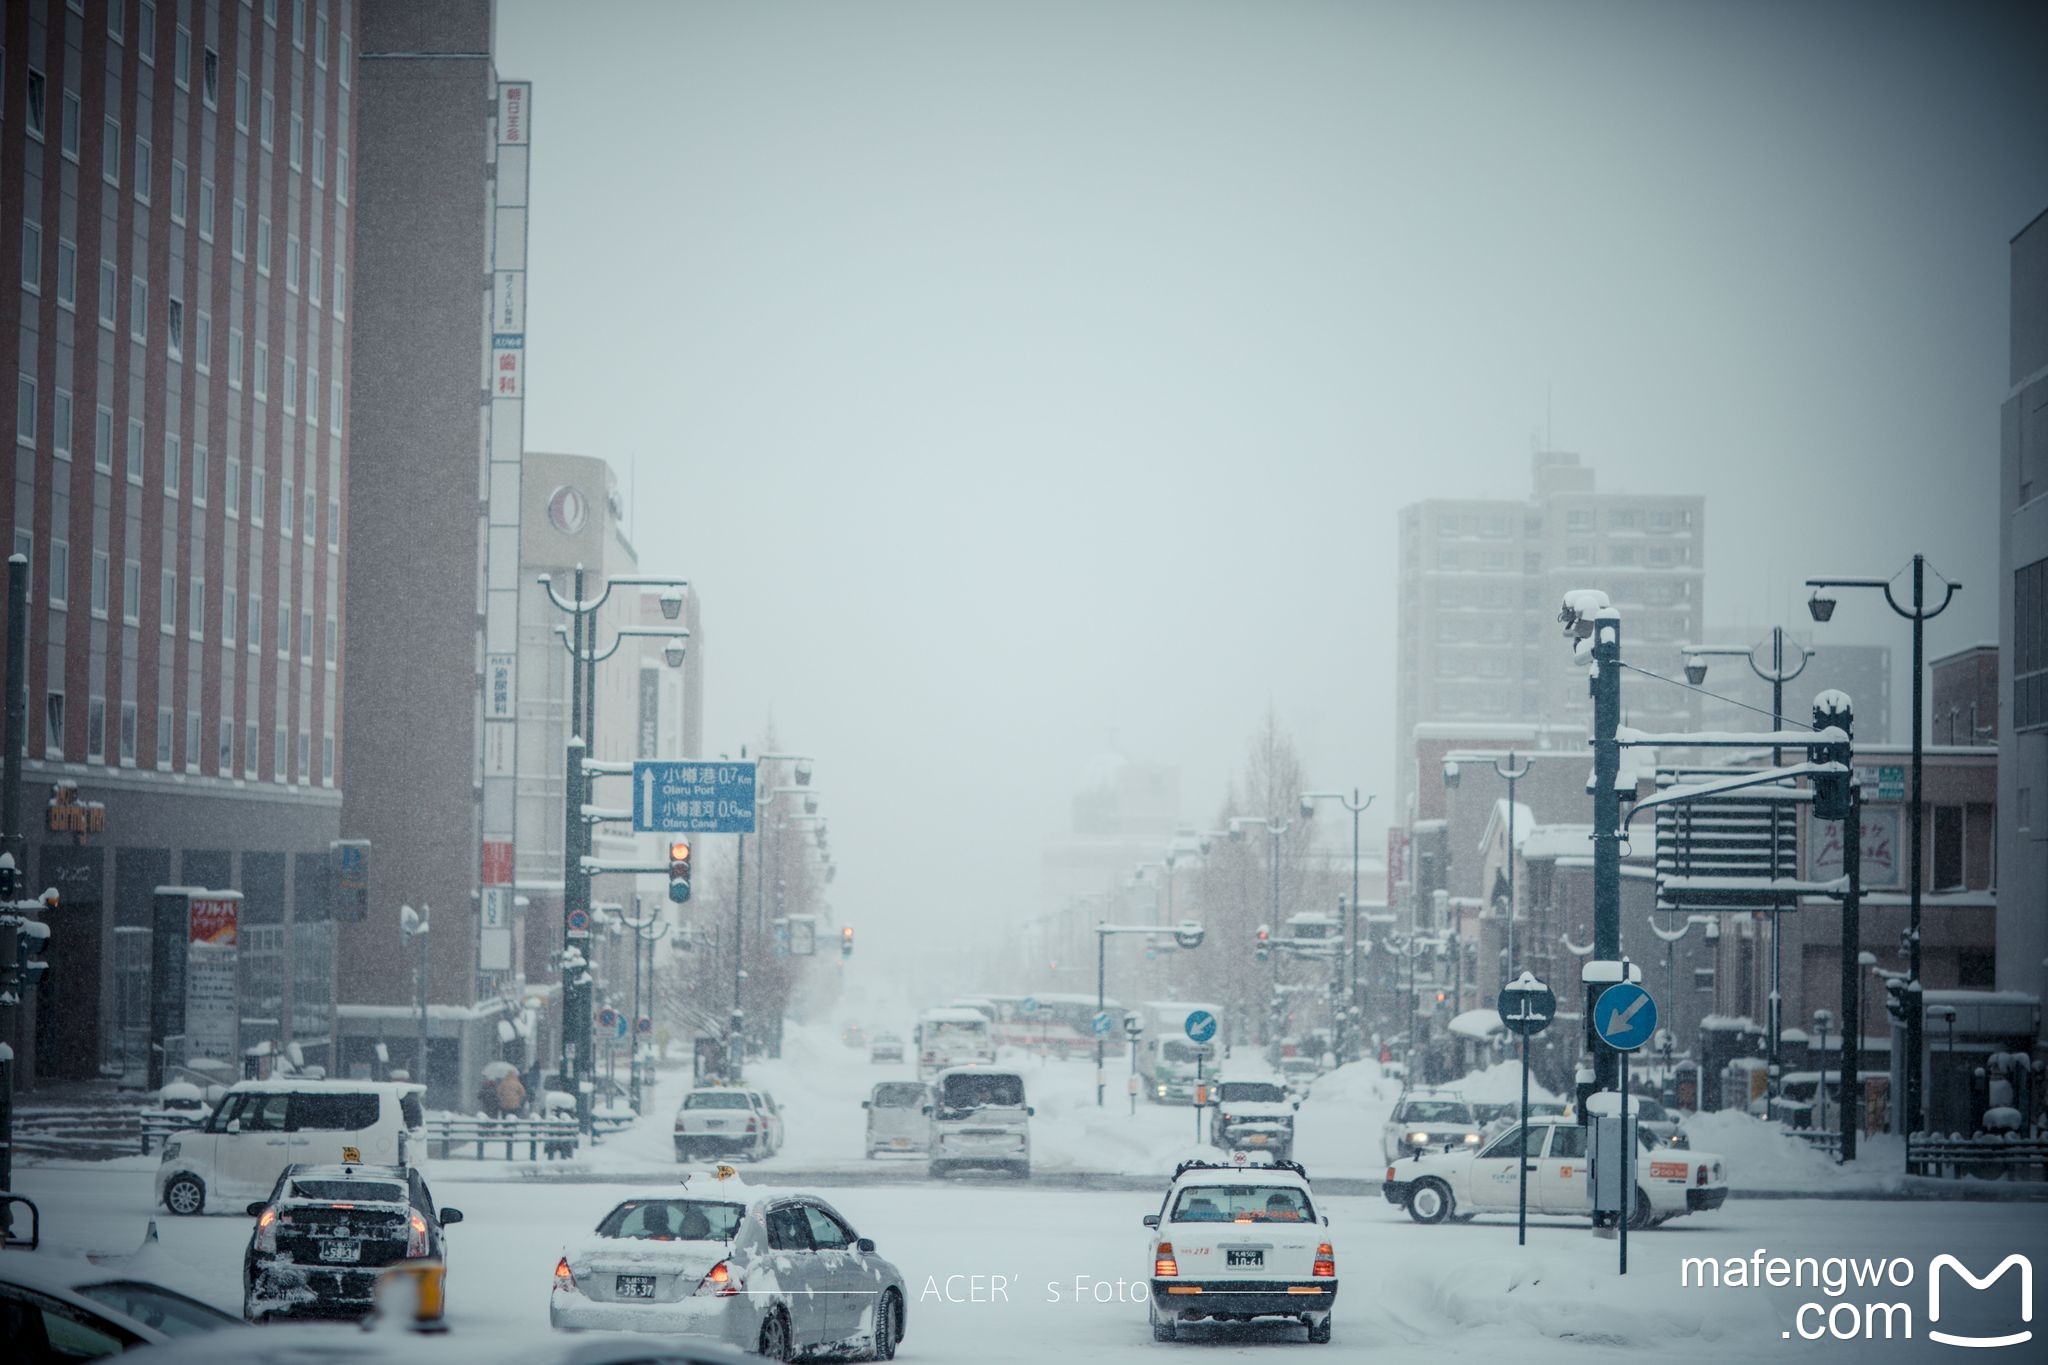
column 693, row 798
column 1625, row 1016
column 579, row 924
column 1030, row 1005
column 643, row 1026
column 1201, row 1026
column 1102, row 1023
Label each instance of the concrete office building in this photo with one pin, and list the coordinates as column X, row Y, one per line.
column 441, row 152
column 1480, row 584
column 1962, row 686
column 179, row 186
column 2023, row 628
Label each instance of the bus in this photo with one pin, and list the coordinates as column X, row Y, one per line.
column 1059, row 1026
column 1168, row 1061
column 951, row 1037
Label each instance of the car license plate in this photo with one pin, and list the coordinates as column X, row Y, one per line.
column 899, row 1142
column 636, row 1286
column 1258, row 1139
column 341, row 1250
column 1244, row 1258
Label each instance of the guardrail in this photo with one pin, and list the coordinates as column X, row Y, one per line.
column 1952, row 1157
column 553, row 1137
column 159, row 1124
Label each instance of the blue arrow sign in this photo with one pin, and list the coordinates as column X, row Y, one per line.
column 1201, row 1026
column 1625, row 1016
column 1030, row 1004
column 1102, row 1023
column 693, row 798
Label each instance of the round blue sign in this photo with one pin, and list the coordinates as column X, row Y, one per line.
column 1102, row 1023
column 1201, row 1026
column 1030, row 1005
column 1625, row 1016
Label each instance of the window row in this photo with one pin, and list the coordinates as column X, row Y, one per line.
column 54, row 745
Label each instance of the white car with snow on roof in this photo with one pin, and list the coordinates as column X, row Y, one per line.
column 1234, row 1242
column 1437, row 1186
column 1425, row 1119
column 783, row 1275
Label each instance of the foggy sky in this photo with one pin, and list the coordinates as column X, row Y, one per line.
column 1021, row 381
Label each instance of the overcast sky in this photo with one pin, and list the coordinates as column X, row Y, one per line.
column 1021, row 381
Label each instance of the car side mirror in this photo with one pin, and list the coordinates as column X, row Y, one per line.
column 234, row 1125
column 864, row 1244
column 1297, row 1104
column 927, row 1111
column 867, row 1104
column 1151, row 1220
column 1326, row 1220
column 450, row 1217
column 1030, row 1112
column 255, row 1210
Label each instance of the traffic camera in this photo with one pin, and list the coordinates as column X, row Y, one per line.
column 679, row 871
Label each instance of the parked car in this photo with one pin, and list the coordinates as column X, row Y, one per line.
column 1253, row 1115
column 716, row 1121
column 61, row 1307
column 853, row 1035
column 771, row 1118
column 1237, row 1242
column 979, row 1118
column 899, row 1117
column 885, row 1047
column 1653, row 1118
column 261, row 1127
column 1298, row 1074
column 326, row 1232
column 780, row 1275
column 1437, row 1186
column 1426, row 1119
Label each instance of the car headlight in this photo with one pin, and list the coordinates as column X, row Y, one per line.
column 170, row 1151
column 1472, row 1139
column 1419, row 1139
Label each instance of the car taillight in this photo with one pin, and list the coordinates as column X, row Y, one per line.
column 1164, row 1266
column 564, row 1277
column 1326, row 1261
column 1390, row 1173
column 751, row 1126
column 416, row 1236
column 1701, row 1179
column 266, row 1230
column 720, row 1280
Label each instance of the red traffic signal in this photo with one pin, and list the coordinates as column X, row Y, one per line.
column 1264, row 945
column 679, row 871
column 846, row 941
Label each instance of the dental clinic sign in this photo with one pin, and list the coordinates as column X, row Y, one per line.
column 1863, row 1303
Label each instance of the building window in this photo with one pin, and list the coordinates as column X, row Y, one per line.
column 96, row 729
column 340, row 279
column 1579, row 520
column 110, row 152
column 284, row 642
column 291, row 387
column 116, row 20
column 267, row 128
column 163, row 737
column 305, row 637
column 341, row 175
column 181, row 59
column 192, row 741
column 53, row 725
column 1447, row 525
column 319, row 157
column 1621, row 554
column 330, row 638
column 238, row 230
column 277, row 756
column 313, row 277
column 209, row 78
column 230, row 615
column 67, row 275
column 205, row 209
column 1446, row 557
column 255, row 630
column 131, row 592
column 101, row 571
column 234, row 357
column 1703, row 979
column 60, row 573
column 31, row 256
column 135, row 450
column 38, row 103
column 74, row 124
column 138, row 310
column 320, row 38
column 270, row 12
column 1948, row 848
column 242, row 101
column 249, row 749
column 145, row 32
column 174, row 460
column 284, row 509
column 179, row 181
column 295, row 148
column 347, row 49
column 195, row 612
column 60, row 425
column 312, row 414
column 257, row 494
column 327, row 741
column 334, row 406
column 231, row 493
column 2030, row 646
column 262, row 244
column 291, row 262
column 1622, row 519
column 299, row 26
column 167, row 615
column 198, row 474
column 225, row 760
column 174, row 334
column 305, row 758
column 128, row 734
column 333, row 524
column 142, row 151
column 1578, row 555
column 103, row 439
column 25, row 410
column 263, row 370
column 202, row 343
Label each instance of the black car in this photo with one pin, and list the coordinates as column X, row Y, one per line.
column 325, row 1233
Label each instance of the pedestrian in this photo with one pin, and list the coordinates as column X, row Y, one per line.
column 487, row 1099
column 511, row 1094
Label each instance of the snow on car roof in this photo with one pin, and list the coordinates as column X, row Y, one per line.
column 953, row 1016
column 1238, row 1175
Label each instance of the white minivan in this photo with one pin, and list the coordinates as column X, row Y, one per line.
column 899, row 1117
column 260, row 1127
column 979, row 1118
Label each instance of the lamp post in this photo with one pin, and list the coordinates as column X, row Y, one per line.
column 412, row 929
column 1821, row 1021
column 1348, row 966
column 1777, row 675
column 1511, row 774
column 579, row 637
column 1187, row 934
column 1275, row 828
column 1822, row 607
column 735, row 1045
column 1670, row 940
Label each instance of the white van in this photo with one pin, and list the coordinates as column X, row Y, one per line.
column 979, row 1118
column 260, row 1127
column 899, row 1117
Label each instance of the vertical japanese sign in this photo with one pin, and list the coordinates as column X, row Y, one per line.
column 504, row 447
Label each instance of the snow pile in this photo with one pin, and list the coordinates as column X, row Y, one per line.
column 1501, row 1083
column 1761, row 1155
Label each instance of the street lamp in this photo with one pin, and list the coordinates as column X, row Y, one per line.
column 412, row 928
column 1919, row 613
column 1348, row 967
column 1822, row 1019
column 1511, row 775
column 1777, row 675
column 1275, row 829
column 1670, row 939
column 800, row 765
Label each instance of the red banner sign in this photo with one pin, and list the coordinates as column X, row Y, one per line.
column 213, row 921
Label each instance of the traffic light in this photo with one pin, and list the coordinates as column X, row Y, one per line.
column 1831, row 791
column 1264, row 947
column 846, row 941
column 1895, row 996
column 679, row 871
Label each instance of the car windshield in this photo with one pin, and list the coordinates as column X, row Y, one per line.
column 151, row 1304
column 716, row 1099
column 1243, row 1204
column 349, row 1191
column 1651, row 1110
column 898, row 1095
column 1436, row 1111
column 1252, row 1092
column 673, row 1220
column 984, row 1089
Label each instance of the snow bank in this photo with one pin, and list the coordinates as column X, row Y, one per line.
column 1501, row 1083
column 1761, row 1155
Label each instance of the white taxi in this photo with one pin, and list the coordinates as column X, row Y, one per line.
column 1236, row 1241
column 1438, row 1186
